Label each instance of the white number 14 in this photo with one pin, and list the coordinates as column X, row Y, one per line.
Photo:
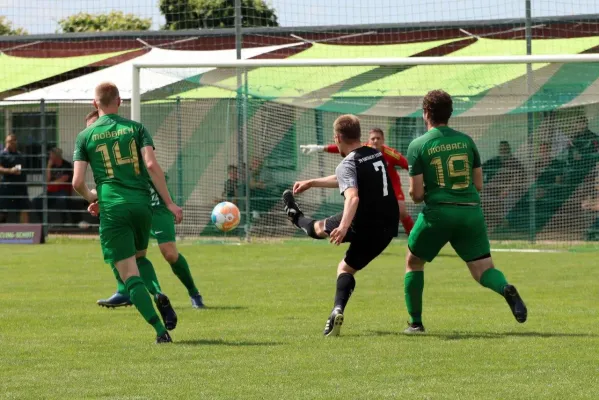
column 380, row 166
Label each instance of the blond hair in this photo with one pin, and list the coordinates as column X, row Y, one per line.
column 106, row 94
column 348, row 128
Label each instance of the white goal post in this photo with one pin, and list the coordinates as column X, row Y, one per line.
column 355, row 62
column 252, row 116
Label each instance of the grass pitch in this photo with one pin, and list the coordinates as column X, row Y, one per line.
column 261, row 337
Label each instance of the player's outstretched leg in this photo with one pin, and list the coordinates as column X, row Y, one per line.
column 166, row 311
column 488, row 276
column 413, row 289
column 164, row 338
column 346, row 283
column 148, row 274
column 516, row 303
column 312, row 228
column 141, row 298
column 181, row 270
column 120, row 298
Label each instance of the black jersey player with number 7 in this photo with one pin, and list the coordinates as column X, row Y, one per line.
column 370, row 213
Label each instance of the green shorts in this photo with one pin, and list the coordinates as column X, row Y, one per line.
column 124, row 230
column 163, row 225
column 462, row 226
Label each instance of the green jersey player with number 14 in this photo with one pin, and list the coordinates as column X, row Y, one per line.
column 163, row 230
column 121, row 155
column 445, row 172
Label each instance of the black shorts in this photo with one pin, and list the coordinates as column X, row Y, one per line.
column 363, row 246
column 14, row 199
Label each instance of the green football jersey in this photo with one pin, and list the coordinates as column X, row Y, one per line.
column 446, row 159
column 112, row 146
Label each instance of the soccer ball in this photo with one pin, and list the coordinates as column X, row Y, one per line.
column 225, row 216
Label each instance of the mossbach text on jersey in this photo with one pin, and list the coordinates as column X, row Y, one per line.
column 447, row 147
column 112, row 134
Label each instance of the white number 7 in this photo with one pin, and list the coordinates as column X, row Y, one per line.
column 380, row 166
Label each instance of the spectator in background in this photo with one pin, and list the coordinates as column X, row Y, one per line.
column 550, row 174
column 583, row 155
column 504, row 160
column 258, row 176
column 59, row 175
column 505, row 182
column 231, row 189
column 13, row 185
column 584, row 145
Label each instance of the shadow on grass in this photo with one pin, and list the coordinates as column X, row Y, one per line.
column 479, row 335
column 220, row 342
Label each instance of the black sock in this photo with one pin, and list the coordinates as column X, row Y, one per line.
column 307, row 225
column 345, row 287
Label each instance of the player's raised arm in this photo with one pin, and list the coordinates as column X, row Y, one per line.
column 326, row 182
column 397, row 159
column 159, row 182
column 309, row 149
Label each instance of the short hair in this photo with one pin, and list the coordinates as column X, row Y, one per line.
column 106, row 93
column 348, row 128
column 377, row 130
column 231, row 167
column 56, row 151
column 438, row 106
column 92, row 114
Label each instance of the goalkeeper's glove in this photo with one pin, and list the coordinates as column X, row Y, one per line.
column 309, row 149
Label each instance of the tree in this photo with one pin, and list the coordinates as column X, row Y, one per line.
column 113, row 21
column 206, row 14
column 7, row 29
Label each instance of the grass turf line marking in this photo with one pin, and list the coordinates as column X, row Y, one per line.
column 528, row 251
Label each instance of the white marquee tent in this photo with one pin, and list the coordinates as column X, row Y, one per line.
column 82, row 88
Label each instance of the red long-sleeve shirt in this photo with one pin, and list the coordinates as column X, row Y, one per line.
column 393, row 158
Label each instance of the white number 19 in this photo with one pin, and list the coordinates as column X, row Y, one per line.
column 379, row 166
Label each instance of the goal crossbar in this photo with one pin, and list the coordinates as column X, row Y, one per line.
column 349, row 62
column 383, row 62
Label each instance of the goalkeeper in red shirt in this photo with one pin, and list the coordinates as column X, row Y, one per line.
column 376, row 139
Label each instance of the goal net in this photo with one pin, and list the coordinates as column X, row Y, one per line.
column 225, row 133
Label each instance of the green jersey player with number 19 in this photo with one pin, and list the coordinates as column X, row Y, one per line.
column 445, row 172
column 121, row 155
column 163, row 230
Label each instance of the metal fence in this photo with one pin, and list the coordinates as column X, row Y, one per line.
column 545, row 192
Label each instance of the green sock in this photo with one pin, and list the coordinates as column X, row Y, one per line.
column 141, row 299
column 120, row 285
column 181, row 270
column 494, row 280
column 414, row 286
column 147, row 273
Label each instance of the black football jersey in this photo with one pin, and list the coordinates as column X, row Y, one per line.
column 366, row 169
